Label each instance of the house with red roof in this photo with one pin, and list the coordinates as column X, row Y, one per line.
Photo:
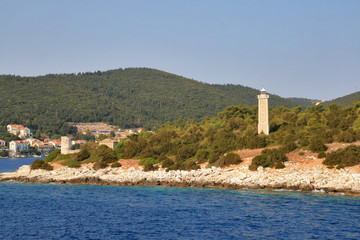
column 19, row 130
column 56, row 143
column 44, row 148
column 18, row 146
column 2, row 143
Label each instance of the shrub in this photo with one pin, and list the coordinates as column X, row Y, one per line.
column 347, row 136
column 51, row 157
column 189, row 165
column 75, row 146
column 202, row 155
column 304, row 142
column 147, row 161
column 41, row 164
column 71, row 162
column 262, row 160
column 214, row 156
column 279, row 165
column 109, row 158
column 102, row 150
column 301, row 153
column 116, row 165
column 317, row 145
column 289, row 147
column 228, row 159
column 82, row 155
column 322, row 155
column 348, row 156
column 253, row 167
column 149, row 167
column 74, row 164
column 100, row 164
column 4, row 153
column 269, row 158
column 167, row 163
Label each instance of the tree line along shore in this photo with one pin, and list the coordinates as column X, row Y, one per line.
column 185, row 145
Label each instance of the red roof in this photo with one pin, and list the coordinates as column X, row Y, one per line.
column 20, row 141
column 2, row 140
column 14, row 125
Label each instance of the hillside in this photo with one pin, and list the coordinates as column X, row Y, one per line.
column 125, row 97
column 347, row 100
column 303, row 101
column 247, row 96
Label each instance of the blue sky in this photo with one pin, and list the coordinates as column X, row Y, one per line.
column 304, row 48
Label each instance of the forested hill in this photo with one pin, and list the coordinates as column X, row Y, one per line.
column 347, row 100
column 124, row 97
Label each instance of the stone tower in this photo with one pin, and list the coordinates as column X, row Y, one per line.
column 65, row 145
column 263, row 113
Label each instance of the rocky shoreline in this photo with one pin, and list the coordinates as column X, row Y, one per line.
column 236, row 177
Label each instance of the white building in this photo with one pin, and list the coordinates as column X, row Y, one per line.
column 81, row 142
column 18, row 146
column 19, row 130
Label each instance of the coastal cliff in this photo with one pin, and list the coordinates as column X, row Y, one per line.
column 295, row 177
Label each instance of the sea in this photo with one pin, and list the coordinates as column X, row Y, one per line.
column 62, row 211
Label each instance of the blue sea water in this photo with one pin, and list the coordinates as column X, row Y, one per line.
column 61, row 211
column 11, row 164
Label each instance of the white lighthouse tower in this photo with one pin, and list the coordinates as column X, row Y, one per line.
column 263, row 106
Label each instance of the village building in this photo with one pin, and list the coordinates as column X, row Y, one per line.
column 56, row 143
column 18, row 146
column 44, row 148
column 19, row 130
column 2, row 144
column 32, row 141
column 109, row 142
column 80, row 142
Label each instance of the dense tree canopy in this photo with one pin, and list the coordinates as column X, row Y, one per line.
column 136, row 97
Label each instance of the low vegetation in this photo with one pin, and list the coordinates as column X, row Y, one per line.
column 269, row 158
column 41, row 164
column 185, row 145
column 341, row 158
column 227, row 160
column 90, row 152
column 53, row 155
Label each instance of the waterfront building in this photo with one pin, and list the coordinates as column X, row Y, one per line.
column 56, row 143
column 44, row 148
column 18, row 146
